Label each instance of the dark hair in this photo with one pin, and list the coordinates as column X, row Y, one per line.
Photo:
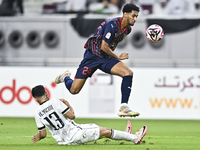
column 129, row 7
column 38, row 91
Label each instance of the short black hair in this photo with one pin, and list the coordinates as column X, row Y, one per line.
column 129, row 7
column 38, row 91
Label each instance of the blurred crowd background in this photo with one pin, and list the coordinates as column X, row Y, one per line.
column 147, row 7
column 53, row 32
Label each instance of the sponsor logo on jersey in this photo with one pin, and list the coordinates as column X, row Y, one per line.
column 108, row 35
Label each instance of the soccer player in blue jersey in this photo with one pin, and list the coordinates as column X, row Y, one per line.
column 99, row 55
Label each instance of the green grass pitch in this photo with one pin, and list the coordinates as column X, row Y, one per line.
column 15, row 134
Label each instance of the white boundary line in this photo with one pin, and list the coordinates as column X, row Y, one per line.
column 162, row 137
column 19, row 136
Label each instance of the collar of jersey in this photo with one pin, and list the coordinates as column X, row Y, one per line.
column 120, row 21
column 44, row 102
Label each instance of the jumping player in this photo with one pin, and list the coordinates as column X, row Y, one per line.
column 57, row 115
column 99, row 55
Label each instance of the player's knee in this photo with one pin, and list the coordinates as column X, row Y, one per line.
column 108, row 133
column 74, row 91
column 104, row 132
column 128, row 73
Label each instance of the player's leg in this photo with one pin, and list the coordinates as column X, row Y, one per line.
column 106, row 132
column 121, row 135
column 88, row 133
column 116, row 67
column 92, row 132
column 128, row 127
column 74, row 86
column 87, row 67
column 122, row 70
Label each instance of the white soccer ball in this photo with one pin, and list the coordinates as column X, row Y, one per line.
column 154, row 33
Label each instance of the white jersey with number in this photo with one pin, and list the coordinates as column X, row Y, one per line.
column 50, row 114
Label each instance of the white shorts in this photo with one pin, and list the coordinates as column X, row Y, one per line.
column 86, row 133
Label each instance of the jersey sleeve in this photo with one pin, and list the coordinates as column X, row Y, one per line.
column 39, row 124
column 109, row 32
column 61, row 106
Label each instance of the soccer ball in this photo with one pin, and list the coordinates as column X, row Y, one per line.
column 154, row 33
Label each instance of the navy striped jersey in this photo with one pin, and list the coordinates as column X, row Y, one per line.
column 109, row 31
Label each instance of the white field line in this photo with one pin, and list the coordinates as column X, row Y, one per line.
column 169, row 137
column 161, row 137
column 19, row 136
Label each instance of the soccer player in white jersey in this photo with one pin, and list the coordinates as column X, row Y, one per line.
column 57, row 115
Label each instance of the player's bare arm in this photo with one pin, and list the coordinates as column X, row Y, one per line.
column 123, row 56
column 69, row 114
column 105, row 47
column 67, row 103
column 38, row 136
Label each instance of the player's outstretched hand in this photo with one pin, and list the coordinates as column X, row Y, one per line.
column 35, row 138
column 123, row 56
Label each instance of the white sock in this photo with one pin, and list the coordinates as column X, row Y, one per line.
column 123, row 104
column 121, row 135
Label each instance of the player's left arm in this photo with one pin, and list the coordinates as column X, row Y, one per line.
column 70, row 113
column 38, row 136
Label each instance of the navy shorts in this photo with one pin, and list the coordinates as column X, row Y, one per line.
column 92, row 62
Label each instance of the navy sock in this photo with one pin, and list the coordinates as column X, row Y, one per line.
column 126, row 88
column 68, row 82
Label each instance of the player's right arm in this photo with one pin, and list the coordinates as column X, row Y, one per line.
column 108, row 35
column 106, row 48
column 70, row 113
column 38, row 136
column 41, row 128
